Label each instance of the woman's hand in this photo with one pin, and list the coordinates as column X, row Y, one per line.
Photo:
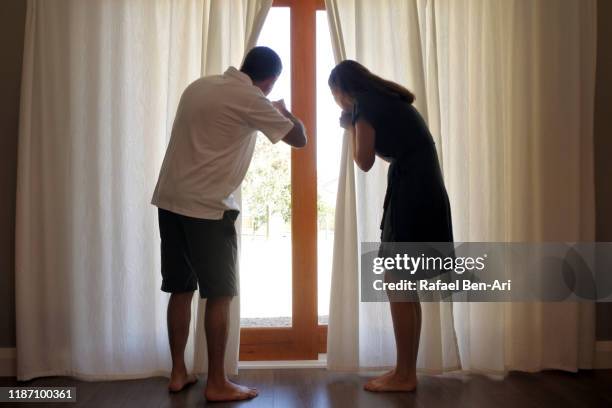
column 346, row 120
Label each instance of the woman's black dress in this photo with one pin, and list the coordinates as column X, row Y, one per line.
column 416, row 206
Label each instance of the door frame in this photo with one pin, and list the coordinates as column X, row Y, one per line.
column 305, row 339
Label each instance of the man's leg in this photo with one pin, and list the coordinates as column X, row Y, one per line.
column 216, row 323
column 179, row 316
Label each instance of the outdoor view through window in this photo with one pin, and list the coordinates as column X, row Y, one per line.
column 265, row 258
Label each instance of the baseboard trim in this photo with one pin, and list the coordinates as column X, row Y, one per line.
column 254, row 365
column 8, row 362
column 603, row 354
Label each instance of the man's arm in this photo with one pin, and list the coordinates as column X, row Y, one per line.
column 296, row 137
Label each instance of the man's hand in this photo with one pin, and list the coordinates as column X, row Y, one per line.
column 280, row 105
column 296, row 136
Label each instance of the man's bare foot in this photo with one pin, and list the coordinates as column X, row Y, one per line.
column 378, row 379
column 179, row 382
column 228, row 391
column 385, row 375
column 391, row 382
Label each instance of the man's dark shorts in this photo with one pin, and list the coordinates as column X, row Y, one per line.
column 198, row 251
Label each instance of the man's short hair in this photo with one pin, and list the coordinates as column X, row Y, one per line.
column 262, row 63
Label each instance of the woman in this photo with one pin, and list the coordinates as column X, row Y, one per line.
column 383, row 122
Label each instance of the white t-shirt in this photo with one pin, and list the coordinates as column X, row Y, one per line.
column 212, row 143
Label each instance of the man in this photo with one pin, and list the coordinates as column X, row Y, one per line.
column 212, row 143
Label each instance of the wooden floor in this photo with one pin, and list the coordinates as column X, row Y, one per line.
column 288, row 388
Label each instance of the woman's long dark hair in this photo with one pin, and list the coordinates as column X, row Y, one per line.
column 351, row 77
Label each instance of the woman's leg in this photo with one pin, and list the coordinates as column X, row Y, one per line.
column 407, row 327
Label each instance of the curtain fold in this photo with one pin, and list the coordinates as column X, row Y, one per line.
column 101, row 82
column 507, row 88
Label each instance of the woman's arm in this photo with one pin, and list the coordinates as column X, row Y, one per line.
column 363, row 136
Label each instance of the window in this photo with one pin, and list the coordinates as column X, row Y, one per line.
column 287, row 233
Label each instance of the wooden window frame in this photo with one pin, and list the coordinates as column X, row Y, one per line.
column 305, row 339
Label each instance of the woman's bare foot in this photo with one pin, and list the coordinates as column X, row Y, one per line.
column 228, row 391
column 391, row 381
column 386, row 375
column 180, row 381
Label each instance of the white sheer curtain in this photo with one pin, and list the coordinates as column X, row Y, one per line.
column 516, row 81
column 507, row 88
column 101, row 81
